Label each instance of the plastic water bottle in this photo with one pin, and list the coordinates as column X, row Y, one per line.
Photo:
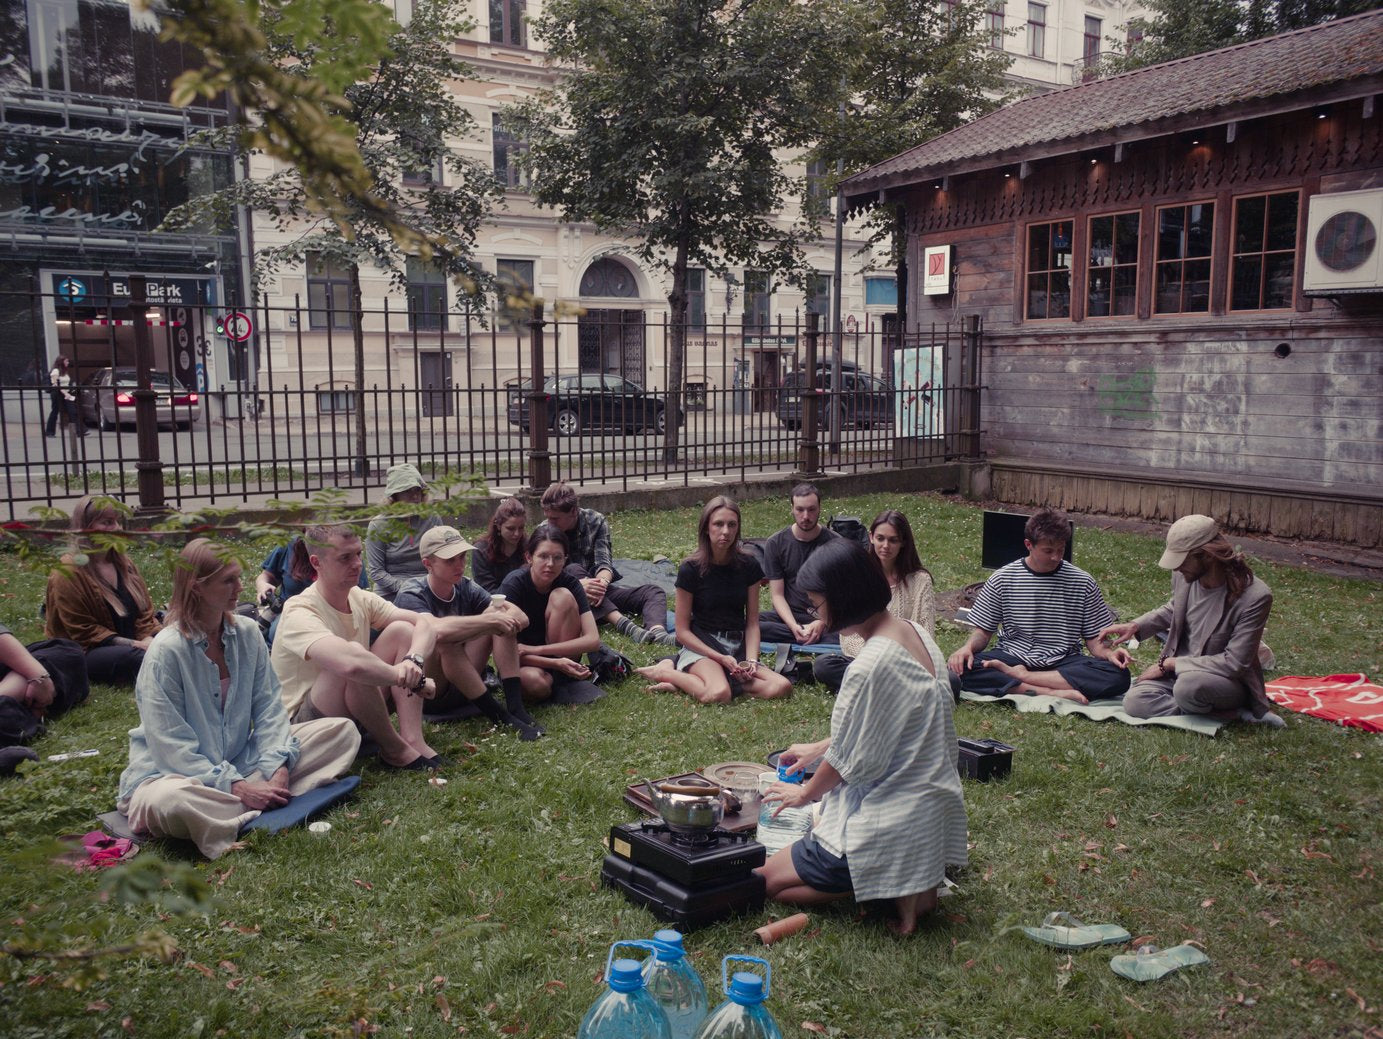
column 776, row 832
column 743, row 1015
column 674, row 983
column 626, row 1010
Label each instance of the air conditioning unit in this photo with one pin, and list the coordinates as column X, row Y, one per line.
column 1343, row 251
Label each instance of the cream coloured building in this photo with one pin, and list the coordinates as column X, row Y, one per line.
column 611, row 307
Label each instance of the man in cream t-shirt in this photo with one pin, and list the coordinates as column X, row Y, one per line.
column 328, row 668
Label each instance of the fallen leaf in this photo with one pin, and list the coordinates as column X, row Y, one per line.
column 958, row 918
column 127, row 1023
column 1253, row 877
column 235, row 983
column 988, row 872
column 968, row 964
column 201, row 968
column 483, row 917
column 1311, row 853
column 1321, row 966
column 363, row 883
column 1122, row 847
column 97, row 1006
column 813, row 1026
column 1268, row 918
column 1358, row 999
column 444, row 1007
column 1112, row 822
column 389, row 822
column 1048, row 879
column 1094, row 845
column 1136, row 1005
column 352, row 815
column 1207, row 903
column 228, row 967
column 553, row 986
column 517, row 1028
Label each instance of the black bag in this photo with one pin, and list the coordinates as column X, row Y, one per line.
column 18, row 724
column 851, row 528
column 607, row 666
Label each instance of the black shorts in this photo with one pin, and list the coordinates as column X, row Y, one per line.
column 818, row 868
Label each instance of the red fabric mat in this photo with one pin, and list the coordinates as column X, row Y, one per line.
column 1344, row 699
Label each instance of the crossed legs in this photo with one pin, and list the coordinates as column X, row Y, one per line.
column 706, row 681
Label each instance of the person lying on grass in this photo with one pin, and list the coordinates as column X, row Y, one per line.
column 330, row 669
column 214, row 747
column 892, row 812
column 718, row 617
column 1043, row 609
column 560, row 627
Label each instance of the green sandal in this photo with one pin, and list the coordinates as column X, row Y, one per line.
column 1150, row 963
column 1064, row 931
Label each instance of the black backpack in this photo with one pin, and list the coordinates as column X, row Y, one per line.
column 851, row 528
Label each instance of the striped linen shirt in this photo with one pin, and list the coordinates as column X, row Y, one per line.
column 1041, row 618
column 899, row 816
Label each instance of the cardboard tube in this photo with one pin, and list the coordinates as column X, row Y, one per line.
column 789, row 925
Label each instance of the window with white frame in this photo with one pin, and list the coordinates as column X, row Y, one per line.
column 507, row 23
column 1037, row 30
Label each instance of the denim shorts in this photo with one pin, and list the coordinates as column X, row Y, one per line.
column 818, row 868
column 731, row 642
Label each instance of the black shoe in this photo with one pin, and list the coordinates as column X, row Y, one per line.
column 527, row 733
column 439, row 761
column 418, row 764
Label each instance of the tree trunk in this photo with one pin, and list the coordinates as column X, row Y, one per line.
column 362, row 463
column 677, row 349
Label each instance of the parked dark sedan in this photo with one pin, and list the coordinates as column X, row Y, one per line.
column 106, row 399
column 864, row 400
column 578, row 403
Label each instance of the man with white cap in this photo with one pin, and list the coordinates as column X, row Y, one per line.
column 391, row 540
column 1213, row 626
column 470, row 626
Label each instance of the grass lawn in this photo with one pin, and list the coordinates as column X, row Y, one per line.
column 474, row 907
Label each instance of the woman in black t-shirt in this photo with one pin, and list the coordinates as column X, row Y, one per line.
column 718, row 617
column 561, row 626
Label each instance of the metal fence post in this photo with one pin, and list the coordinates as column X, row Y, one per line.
column 149, row 467
column 539, row 458
column 970, row 360
column 810, row 452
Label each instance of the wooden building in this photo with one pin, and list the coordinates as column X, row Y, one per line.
column 1182, row 311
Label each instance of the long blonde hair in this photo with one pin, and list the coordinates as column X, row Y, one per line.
column 200, row 560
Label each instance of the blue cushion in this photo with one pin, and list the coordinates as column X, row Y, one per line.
column 303, row 807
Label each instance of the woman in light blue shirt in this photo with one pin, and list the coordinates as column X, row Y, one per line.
column 214, row 746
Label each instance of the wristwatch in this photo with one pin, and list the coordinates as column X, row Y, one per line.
column 422, row 664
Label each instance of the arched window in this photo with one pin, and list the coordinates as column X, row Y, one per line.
column 609, row 277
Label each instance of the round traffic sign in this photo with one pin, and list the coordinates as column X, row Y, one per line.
column 238, row 326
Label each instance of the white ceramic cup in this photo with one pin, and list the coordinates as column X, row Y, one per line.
column 497, row 601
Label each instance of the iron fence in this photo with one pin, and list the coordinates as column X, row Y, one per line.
column 270, row 403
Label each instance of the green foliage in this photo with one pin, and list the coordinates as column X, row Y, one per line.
column 666, row 126
column 386, row 89
column 1177, row 30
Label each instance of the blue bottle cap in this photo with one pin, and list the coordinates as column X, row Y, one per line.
column 746, row 988
column 667, row 945
column 625, row 975
column 786, row 776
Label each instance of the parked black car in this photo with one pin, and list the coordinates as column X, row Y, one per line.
column 865, row 401
column 579, row 403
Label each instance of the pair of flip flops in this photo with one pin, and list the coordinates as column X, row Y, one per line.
column 1147, row 963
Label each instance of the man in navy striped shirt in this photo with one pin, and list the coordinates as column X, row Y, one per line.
column 1044, row 609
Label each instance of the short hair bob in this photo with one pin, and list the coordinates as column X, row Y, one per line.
column 853, row 586
column 560, row 497
column 1048, row 525
column 546, row 532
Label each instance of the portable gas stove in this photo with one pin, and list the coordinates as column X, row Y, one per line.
column 686, row 879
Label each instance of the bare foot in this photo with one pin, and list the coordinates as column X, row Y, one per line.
column 659, row 672
column 1012, row 670
column 662, row 687
column 1066, row 694
column 910, row 907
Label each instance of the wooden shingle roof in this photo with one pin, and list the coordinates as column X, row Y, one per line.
column 1332, row 61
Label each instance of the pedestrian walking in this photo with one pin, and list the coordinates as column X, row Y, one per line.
column 63, row 392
